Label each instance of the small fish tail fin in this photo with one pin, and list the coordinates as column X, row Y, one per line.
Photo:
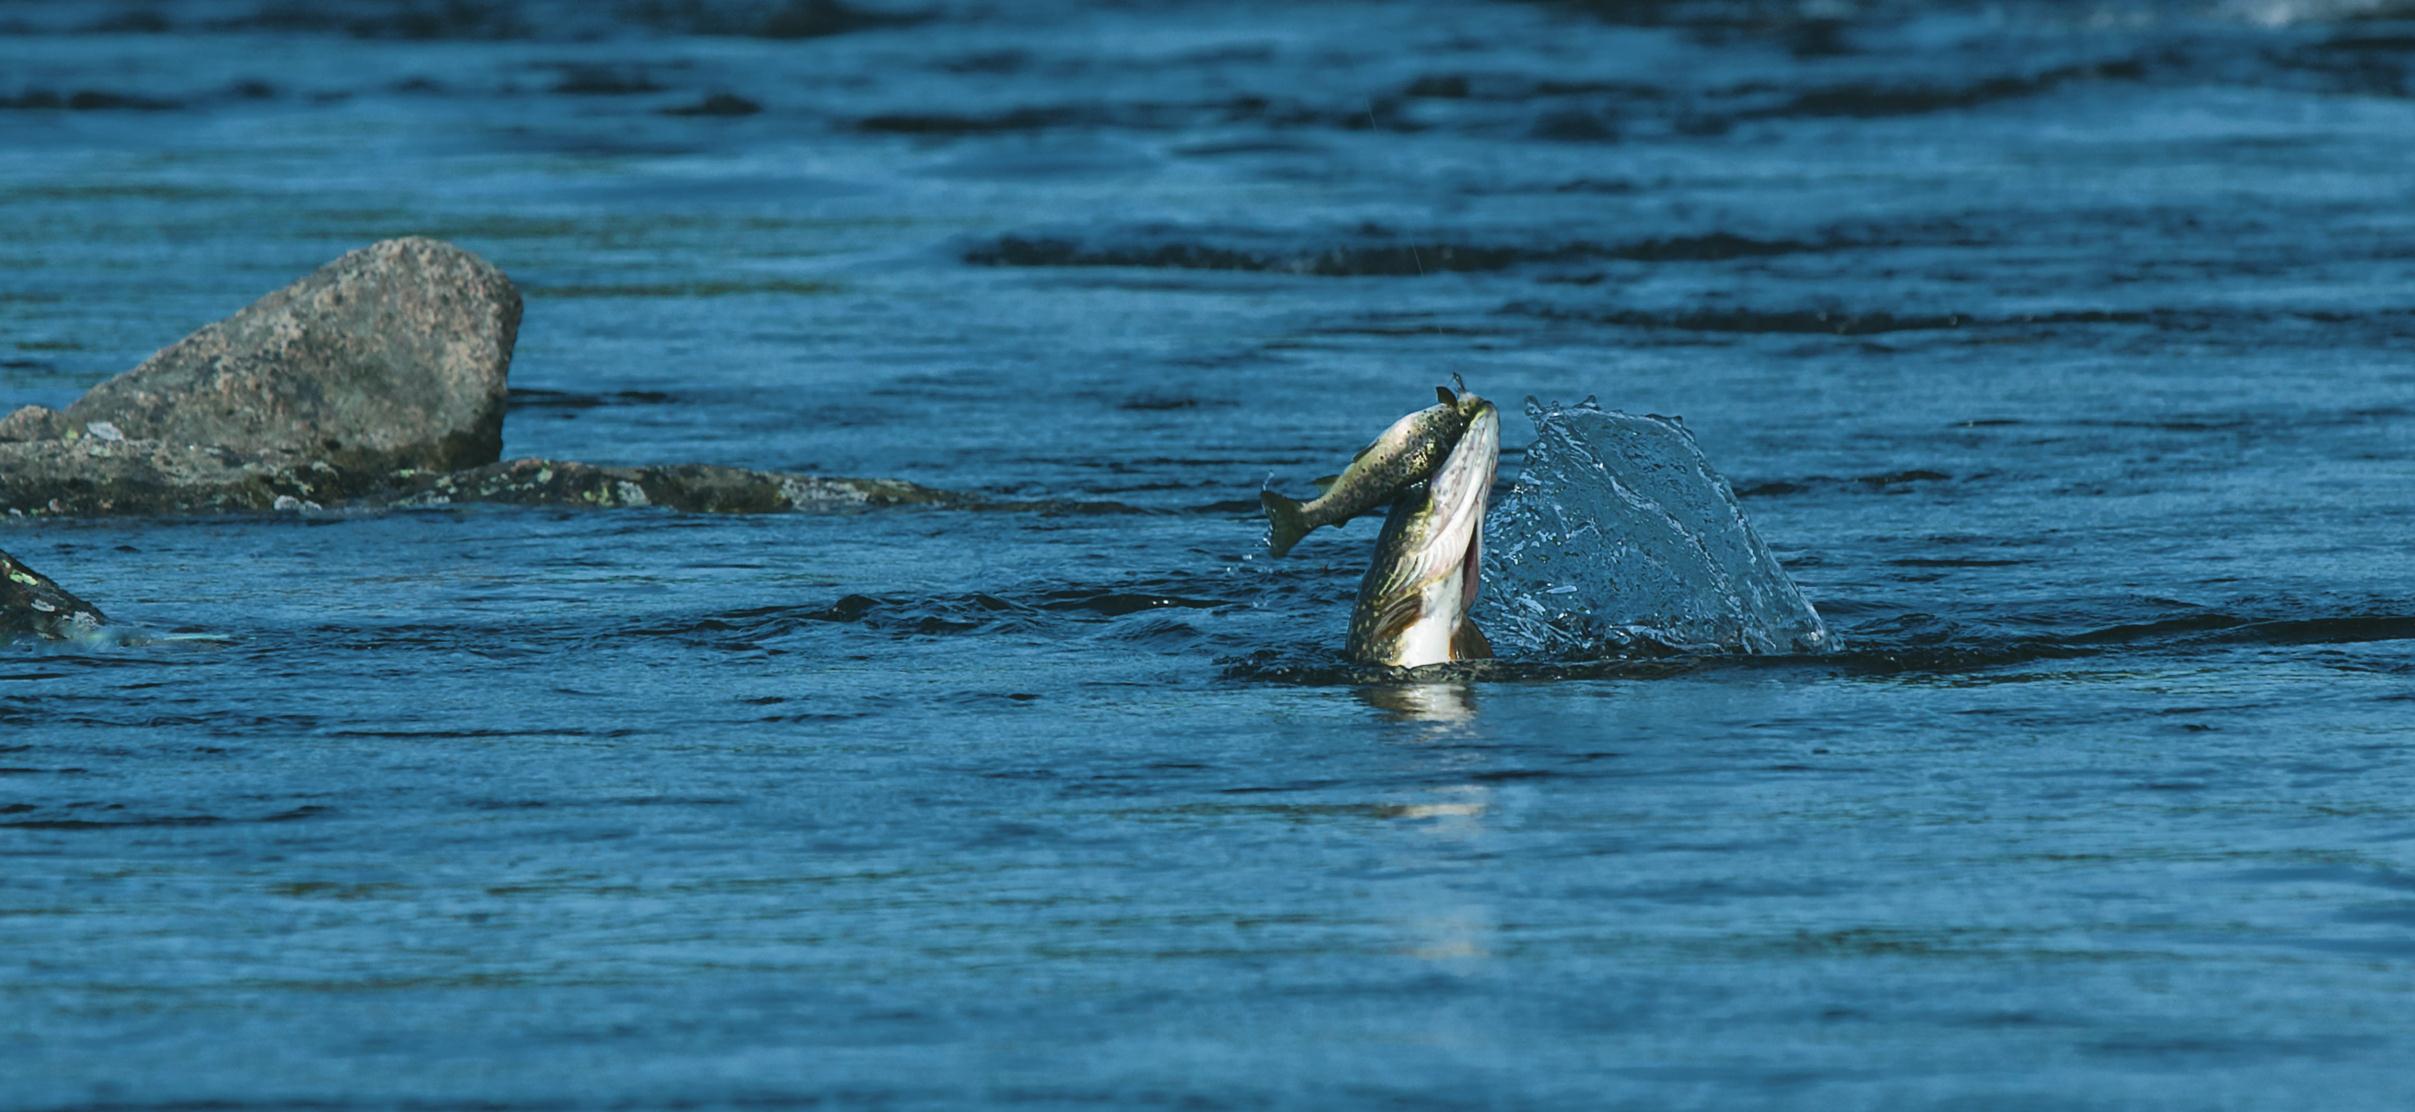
column 1286, row 521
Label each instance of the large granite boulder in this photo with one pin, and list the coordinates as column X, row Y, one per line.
column 31, row 604
column 377, row 380
column 390, row 357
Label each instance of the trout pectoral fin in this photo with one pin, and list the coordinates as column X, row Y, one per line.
column 1469, row 643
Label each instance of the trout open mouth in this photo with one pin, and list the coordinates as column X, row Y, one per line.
column 1413, row 604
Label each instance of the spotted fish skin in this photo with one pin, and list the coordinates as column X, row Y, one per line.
column 1413, row 603
column 1402, row 457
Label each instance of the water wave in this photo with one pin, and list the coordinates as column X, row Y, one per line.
column 1374, row 250
column 1908, row 645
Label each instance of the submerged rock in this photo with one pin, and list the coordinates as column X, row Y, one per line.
column 1619, row 536
column 692, row 487
column 94, row 475
column 30, row 604
column 147, row 477
column 392, row 356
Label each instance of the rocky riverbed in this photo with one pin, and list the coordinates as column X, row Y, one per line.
column 376, row 381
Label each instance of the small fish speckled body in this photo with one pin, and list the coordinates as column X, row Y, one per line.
column 1404, row 455
column 1413, row 604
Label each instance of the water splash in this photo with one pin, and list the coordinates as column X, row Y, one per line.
column 1619, row 538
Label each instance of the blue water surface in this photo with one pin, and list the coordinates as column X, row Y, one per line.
column 2059, row 351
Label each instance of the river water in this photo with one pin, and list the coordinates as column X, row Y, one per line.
column 2059, row 352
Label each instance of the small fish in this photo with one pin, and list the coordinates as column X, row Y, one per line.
column 1404, row 455
column 1413, row 604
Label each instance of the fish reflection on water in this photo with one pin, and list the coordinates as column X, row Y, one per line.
column 1440, row 702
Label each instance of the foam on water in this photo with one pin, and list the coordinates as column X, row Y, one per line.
column 1619, row 536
